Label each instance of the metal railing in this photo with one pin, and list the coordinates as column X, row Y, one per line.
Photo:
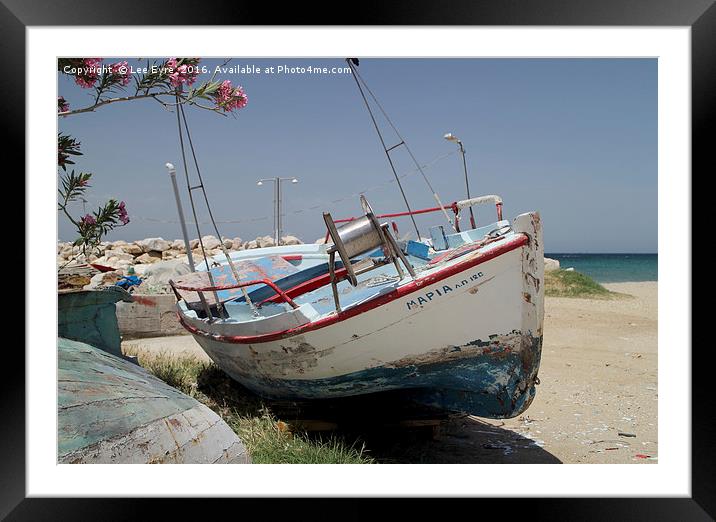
column 455, row 206
column 254, row 282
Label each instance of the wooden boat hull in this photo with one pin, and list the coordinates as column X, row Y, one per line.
column 467, row 338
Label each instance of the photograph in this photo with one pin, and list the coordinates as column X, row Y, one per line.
column 357, row 260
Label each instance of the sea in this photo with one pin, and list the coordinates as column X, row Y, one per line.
column 612, row 268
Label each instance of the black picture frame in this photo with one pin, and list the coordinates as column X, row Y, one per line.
column 700, row 15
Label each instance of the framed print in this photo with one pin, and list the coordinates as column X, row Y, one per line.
column 557, row 332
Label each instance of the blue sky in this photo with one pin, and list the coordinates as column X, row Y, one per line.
column 575, row 139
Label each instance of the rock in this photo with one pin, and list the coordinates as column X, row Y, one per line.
column 116, row 261
column 122, row 256
column 321, row 241
column 111, row 252
column 178, row 244
column 550, row 264
column 265, row 242
column 251, row 244
column 228, row 243
column 154, row 243
column 103, row 279
column 291, row 240
column 236, row 243
column 139, row 270
column 118, row 243
column 170, row 254
column 210, row 242
column 157, row 276
column 133, row 249
column 149, row 257
column 193, row 243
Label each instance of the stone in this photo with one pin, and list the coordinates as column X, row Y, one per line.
column 133, row 249
column 210, row 242
column 291, row 240
column 550, row 264
column 157, row 276
column 170, row 254
column 139, row 270
column 111, row 252
column 265, row 242
column 321, row 241
column 103, row 279
column 121, row 256
column 251, row 244
column 154, row 243
column 178, row 244
column 193, row 243
column 149, row 257
column 236, row 243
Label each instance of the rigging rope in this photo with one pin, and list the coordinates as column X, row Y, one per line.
column 180, row 109
column 382, row 141
column 331, row 204
column 358, row 77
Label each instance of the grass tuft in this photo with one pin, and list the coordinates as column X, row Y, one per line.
column 570, row 283
column 269, row 440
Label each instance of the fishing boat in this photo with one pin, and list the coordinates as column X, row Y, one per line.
column 455, row 321
column 452, row 321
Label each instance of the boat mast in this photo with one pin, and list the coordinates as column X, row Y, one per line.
column 360, row 82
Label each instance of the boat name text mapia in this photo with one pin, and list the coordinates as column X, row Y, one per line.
column 440, row 291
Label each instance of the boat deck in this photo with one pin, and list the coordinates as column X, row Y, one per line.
column 304, row 264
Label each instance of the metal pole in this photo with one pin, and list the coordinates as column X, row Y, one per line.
column 275, row 210
column 278, row 206
column 172, row 175
column 467, row 183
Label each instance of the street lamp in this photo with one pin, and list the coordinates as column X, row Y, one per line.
column 277, row 203
column 450, row 137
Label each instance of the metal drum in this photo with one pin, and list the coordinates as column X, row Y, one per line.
column 360, row 236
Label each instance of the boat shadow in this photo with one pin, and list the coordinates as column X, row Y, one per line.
column 390, row 429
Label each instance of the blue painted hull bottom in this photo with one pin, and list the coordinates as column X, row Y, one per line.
column 497, row 383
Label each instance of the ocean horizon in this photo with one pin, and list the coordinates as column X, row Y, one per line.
column 611, row 268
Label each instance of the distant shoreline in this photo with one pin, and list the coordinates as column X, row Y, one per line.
column 611, row 268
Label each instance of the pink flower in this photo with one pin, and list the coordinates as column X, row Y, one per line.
column 62, row 105
column 120, row 73
column 88, row 220
column 87, row 72
column 228, row 97
column 123, row 217
column 184, row 73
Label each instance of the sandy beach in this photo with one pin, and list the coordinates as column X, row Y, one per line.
column 596, row 403
column 598, row 379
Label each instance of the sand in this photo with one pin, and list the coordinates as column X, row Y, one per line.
column 596, row 403
column 598, row 379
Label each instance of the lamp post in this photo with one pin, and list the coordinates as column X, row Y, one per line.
column 450, row 137
column 277, row 203
column 172, row 175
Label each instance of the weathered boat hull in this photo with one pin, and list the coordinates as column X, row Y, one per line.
column 467, row 338
column 112, row 411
